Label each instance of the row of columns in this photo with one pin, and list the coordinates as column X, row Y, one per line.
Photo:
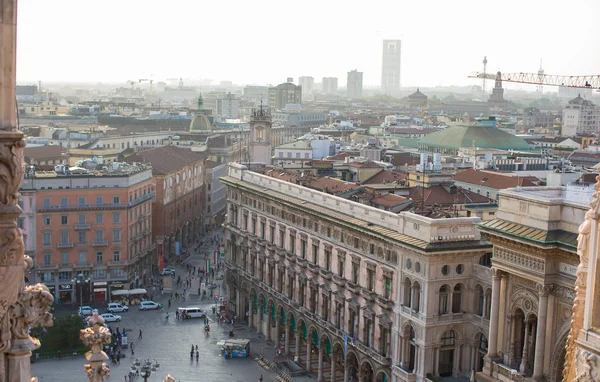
column 540, row 328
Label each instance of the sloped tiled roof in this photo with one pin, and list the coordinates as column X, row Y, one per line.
column 385, row 176
column 388, row 200
column 166, row 159
column 42, row 152
column 494, row 180
column 441, row 196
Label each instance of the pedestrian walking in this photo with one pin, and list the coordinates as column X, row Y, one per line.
column 261, row 378
column 169, row 303
column 140, row 336
column 132, row 353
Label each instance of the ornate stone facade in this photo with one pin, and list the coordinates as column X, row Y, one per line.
column 312, row 271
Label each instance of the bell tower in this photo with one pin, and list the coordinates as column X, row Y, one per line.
column 259, row 141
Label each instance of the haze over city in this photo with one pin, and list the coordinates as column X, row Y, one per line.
column 264, row 42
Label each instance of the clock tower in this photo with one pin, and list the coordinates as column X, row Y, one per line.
column 259, row 142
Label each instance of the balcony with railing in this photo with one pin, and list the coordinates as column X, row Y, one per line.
column 65, row 244
column 47, row 267
column 404, row 375
column 100, row 243
column 83, row 265
column 96, row 206
column 82, row 226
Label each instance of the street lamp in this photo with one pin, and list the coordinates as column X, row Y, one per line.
column 147, row 368
column 80, row 280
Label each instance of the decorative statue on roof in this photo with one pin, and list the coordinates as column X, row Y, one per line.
column 200, row 102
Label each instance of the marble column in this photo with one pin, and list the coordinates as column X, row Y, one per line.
column 494, row 315
column 277, row 336
column 436, row 364
column 238, row 303
column 320, row 370
column 286, row 346
column 525, row 353
column 333, row 366
column 308, row 351
column 297, row 346
column 346, row 372
column 540, row 337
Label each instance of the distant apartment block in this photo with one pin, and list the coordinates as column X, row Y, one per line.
column 390, row 67
column 307, row 84
column 580, row 116
column 330, row 85
column 355, row 84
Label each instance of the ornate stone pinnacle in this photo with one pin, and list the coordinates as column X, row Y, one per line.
column 95, row 337
column 168, row 378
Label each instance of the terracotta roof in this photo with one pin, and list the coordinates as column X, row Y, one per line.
column 588, row 178
column 42, row 152
column 385, row 176
column 166, row 159
column 211, row 164
column 493, row 179
column 331, row 185
column 389, row 200
column 366, row 164
column 401, row 159
column 441, row 195
column 340, row 156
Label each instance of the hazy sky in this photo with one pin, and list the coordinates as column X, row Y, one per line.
column 263, row 42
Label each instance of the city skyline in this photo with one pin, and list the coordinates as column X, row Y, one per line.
column 99, row 44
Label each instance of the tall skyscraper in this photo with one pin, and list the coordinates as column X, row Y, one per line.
column 390, row 67
column 308, row 86
column 355, row 84
column 330, row 85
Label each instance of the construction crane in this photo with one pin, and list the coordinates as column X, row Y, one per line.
column 131, row 83
column 151, row 81
column 541, row 79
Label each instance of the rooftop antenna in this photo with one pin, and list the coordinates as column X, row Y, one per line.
column 484, row 72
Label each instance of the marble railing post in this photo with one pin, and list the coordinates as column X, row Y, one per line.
column 96, row 336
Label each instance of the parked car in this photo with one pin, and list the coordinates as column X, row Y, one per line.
column 167, row 272
column 147, row 305
column 191, row 312
column 109, row 317
column 114, row 307
column 87, row 311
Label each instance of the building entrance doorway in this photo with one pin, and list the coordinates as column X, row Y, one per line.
column 446, row 360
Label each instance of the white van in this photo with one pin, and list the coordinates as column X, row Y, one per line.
column 191, row 312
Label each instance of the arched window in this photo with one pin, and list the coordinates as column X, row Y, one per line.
column 416, row 298
column 479, row 300
column 448, row 338
column 457, row 298
column 488, row 303
column 407, row 293
column 443, row 301
column 481, row 352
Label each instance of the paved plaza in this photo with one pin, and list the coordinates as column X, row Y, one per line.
column 169, row 342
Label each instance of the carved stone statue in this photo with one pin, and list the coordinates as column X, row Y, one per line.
column 577, row 359
column 96, row 336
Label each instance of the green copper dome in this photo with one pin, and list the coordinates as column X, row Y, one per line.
column 484, row 137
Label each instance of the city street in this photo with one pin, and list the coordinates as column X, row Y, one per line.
column 169, row 342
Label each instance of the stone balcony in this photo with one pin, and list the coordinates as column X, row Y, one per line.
column 65, row 245
column 47, row 267
column 385, row 302
column 368, row 295
column 100, row 243
column 313, row 267
column 404, row 375
column 326, row 274
column 339, row 281
column 83, row 265
column 301, row 262
column 82, row 226
column 354, row 288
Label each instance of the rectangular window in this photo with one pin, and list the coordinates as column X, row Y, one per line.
column 272, row 234
column 281, row 154
column 315, row 254
column 99, row 257
column 292, row 243
column 82, row 258
column 81, row 239
column 328, row 231
column 100, row 274
column 64, row 275
column 47, row 236
column 99, row 201
column 47, row 259
column 316, row 227
column 99, row 218
column 262, row 230
column 116, row 235
column 21, row 223
column 46, row 202
column 355, row 273
column 328, row 260
column 64, row 219
column 371, row 249
column 81, row 219
column 63, row 202
column 64, row 237
column 116, row 200
column 370, row 279
column 340, row 267
column 81, row 201
column 46, row 219
column 356, row 242
column 100, row 235
column 297, row 155
column 388, row 287
column 117, row 256
column 64, row 258
column 282, row 238
column 116, row 217
column 303, row 249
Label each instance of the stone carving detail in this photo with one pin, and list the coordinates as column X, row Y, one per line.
column 96, row 336
column 564, row 293
column 520, row 259
column 572, row 358
column 168, row 378
column 588, row 369
column 524, row 282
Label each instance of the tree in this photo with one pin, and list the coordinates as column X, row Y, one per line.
column 62, row 336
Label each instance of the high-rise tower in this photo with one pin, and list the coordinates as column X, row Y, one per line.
column 540, row 88
column 390, row 67
column 355, row 84
column 484, row 73
column 259, row 141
